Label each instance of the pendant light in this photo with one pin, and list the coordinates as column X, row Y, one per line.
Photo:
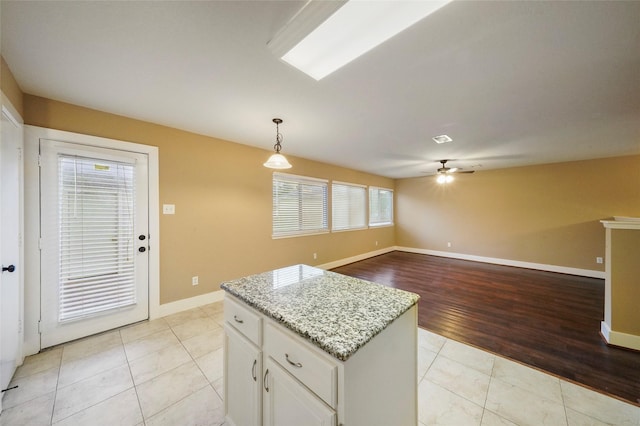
column 277, row 160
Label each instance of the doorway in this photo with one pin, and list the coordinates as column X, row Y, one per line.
column 94, row 262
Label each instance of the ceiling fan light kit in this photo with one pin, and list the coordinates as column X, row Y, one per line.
column 444, row 178
column 444, row 173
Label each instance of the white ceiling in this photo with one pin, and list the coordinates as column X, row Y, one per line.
column 513, row 83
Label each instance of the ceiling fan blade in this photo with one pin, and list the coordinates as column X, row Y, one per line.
column 465, row 171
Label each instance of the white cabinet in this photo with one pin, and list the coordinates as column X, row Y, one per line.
column 243, row 393
column 288, row 402
column 274, row 377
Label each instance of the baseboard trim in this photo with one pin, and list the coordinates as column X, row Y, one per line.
column 352, row 259
column 216, row 296
column 190, row 303
column 617, row 338
column 506, row 262
column 605, row 330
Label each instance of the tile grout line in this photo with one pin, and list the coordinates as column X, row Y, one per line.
column 135, row 387
column 55, row 392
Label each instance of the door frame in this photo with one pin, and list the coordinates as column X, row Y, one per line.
column 33, row 134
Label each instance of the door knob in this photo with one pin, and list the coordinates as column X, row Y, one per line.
column 142, row 237
column 9, row 268
column 142, row 249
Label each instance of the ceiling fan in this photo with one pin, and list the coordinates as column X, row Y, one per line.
column 444, row 173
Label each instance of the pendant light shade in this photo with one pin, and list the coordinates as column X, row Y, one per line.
column 277, row 160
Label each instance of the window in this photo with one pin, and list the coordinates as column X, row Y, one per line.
column 347, row 206
column 380, row 206
column 299, row 205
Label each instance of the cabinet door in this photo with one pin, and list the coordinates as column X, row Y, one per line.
column 242, row 380
column 289, row 403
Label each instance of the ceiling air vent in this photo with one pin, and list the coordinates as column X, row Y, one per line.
column 442, row 139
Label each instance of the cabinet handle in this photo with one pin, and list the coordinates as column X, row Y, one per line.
column 235, row 317
column 264, row 380
column 295, row 364
column 253, row 369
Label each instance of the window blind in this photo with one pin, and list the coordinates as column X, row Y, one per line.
column 380, row 206
column 299, row 205
column 347, row 206
column 96, row 225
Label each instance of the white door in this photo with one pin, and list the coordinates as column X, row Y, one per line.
column 289, row 403
column 94, row 240
column 10, row 246
column 243, row 380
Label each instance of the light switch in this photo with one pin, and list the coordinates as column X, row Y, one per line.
column 168, row 209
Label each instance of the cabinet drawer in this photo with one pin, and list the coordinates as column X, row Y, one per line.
column 316, row 373
column 243, row 319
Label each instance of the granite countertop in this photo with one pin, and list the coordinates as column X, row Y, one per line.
column 337, row 313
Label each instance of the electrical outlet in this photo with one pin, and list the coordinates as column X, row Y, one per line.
column 448, row 244
column 315, row 255
column 376, row 244
column 194, row 280
column 599, row 259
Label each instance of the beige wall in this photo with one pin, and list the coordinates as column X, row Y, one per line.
column 222, row 226
column 546, row 214
column 10, row 87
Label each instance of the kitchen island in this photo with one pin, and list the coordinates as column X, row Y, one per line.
column 304, row 346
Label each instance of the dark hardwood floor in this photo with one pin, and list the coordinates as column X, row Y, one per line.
column 547, row 320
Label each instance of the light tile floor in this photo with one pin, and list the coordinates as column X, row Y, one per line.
column 169, row 372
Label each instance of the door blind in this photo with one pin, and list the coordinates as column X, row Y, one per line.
column 96, row 225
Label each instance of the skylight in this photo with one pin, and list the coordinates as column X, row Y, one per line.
column 353, row 30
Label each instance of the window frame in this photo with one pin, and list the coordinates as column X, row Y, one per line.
column 385, row 223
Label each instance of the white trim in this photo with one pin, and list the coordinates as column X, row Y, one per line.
column 32, row 136
column 299, row 177
column 346, row 261
column 626, row 223
column 336, row 231
column 506, row 262
column 281, row 236
column 382, row 187
column 617, row 338
column 190, row 303
column 381, row 225
column 337, row 182
column 12, row 111
column 605, row 330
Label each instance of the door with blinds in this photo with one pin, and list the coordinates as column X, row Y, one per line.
column 94, row 240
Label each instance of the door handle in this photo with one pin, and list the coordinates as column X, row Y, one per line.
column 142, row 237
column 142, row 249
column 253, row 370
column 9, row 268
column 295, row 364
